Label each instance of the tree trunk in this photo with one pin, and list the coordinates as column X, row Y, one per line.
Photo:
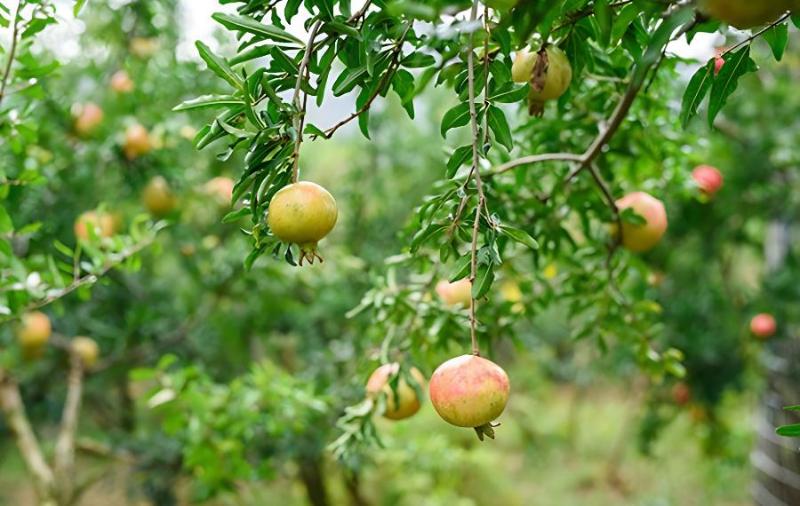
column 352, row 483
column 313, row 479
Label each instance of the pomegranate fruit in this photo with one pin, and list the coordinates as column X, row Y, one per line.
column 708, row 179
column 87, row 118
column 470, row 391
column 302, row 213
column 642, row 237
column 719, row 62
column 403, row 405
column 746, row 13
column 86, row 349
column 548, row 71
column 143, row 47
column 101, row 223
column 34, row 331
column 457, row 293
column 763, row 325
column 137, row 142
column 121, row 82
column 681, row 394
column 158, row 198
column 220, row 189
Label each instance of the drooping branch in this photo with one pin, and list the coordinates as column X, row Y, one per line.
column 64, row 456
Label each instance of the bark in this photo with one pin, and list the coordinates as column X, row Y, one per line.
column 14, row 411
column 314, row 481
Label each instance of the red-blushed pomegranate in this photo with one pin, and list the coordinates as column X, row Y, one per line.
column 220, row 189
column 406, row 403
column 548, row 72
column 87, row 118
column 763, row 325
column 101, row 223
column 643, row 237
column 302, row 213
column 158, row 198
column 457, row 293
column 470, row 391
column 719, row 62
column 137, row 142
column 121, row 82
column 34, row 330
column 86, row 349
column 746, row 13
column 681, row 394
column 709, row 179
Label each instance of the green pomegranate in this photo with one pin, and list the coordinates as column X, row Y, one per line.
column 548, row 71
column 747, row 13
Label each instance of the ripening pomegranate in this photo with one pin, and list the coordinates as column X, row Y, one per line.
column 681, row 394
column 137, row 142
column 719, row 62
column 708, row 179
column 302, row 213
column 86, row 349
column 121, row 82
column 34, row 331
column 220, row 189
column 158, row 198
column 101, row 223
column 548, row 71
column 746, row 13
column 403, row 405
column 640, row 238
column 457, row 293
column 763, row 325
column 87, row 118
column 470, row 391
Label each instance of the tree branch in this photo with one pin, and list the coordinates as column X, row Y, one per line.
column 11, row 52
column 64, row 456
column 300, row 113
column 14, row 410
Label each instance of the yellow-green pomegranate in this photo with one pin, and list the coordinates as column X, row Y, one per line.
column 403, row 405
column 548, row 71
column 302, row 213
column 747, row 13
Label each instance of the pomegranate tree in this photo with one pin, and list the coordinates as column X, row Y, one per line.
column 470, row 391
column 457, row 293
column 708, row 179
column 548, row 72
column 402, row 402
column 746, row 13
column 643, row 237
column 302, row 213
column 763, row 325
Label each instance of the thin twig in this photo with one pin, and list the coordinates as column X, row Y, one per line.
column 11, row 52
column 756, row 34
column 300, row 107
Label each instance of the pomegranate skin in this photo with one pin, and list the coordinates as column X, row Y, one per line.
column 302, row 213
column 709, row 179
column 641, row 238
column 469, row 391
column 403, row 405
column 457, row 293
column 746, row 14
column 763, row 325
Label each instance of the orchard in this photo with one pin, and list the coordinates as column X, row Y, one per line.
column 399, row 252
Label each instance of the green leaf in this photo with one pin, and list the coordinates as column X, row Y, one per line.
column 499, row 126
column 459, row 157
column 520, row 236
column 778, row 38
column 219, row 66
column 483, row 281
column 789, row 430
column 736, row 65
column 6, row 225
column 78, row 6
column 509, row 94
column 426, row 234
column 236, row 215
column 417, row 60
column 461, row 269
column 697, row 90
column 249, row 25
column 603, row 16
column 456, row 117
column 205, row 101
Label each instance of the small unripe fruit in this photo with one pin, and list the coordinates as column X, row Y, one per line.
column 87, row 118
column 406, row 403
column 763, row 325
column 548, row 71
column 143, row 47
column 101, row 223
column 643, row 237
column 137, row 142
column 457, row 293
column 158, row 198
column 302, row 213
column 86, row 349
column 681, row 394
column 746, row 13
column 121, row 82
column 221, row 190
column 34, row 331
column 708, row 179
column 470, row 391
